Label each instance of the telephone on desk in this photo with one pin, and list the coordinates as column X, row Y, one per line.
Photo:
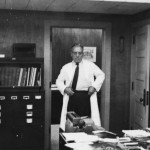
column 75, row 123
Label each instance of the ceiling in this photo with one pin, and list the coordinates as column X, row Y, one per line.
column 83, row 6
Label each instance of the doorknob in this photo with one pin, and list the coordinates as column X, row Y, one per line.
column 141, row 99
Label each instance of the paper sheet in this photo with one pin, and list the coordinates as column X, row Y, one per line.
column 136, row 133
column 79, row 146
column 80, row 137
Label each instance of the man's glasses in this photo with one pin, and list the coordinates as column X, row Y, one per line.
column 77, row 53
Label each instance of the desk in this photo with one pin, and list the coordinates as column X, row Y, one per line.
column 104, row 145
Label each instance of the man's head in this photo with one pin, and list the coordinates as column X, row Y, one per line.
column 77, row 53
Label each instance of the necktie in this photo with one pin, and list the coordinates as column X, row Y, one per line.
column 75, row 78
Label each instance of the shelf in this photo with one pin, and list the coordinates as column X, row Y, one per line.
column 18, row 73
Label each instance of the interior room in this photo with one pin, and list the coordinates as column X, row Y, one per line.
column 120, row 31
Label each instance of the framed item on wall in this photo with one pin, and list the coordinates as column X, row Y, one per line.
column 27, row 50
column 90, row 53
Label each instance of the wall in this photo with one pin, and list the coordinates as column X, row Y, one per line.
column 142, row 16
column 22, row 26
column 120, row 81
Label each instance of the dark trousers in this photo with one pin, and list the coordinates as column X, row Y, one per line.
column 80, row 103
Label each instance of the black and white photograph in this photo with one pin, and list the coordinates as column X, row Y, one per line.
column 74, row 74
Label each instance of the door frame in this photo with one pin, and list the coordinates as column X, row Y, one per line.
column 106, row 65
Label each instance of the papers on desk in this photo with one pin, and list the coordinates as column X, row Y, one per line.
column 136, row 133
column 108, row 140
column 81, row 140
column 79, row 137
column 79, row 146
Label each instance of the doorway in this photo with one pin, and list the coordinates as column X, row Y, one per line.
column 105, row 66
column 62, row 40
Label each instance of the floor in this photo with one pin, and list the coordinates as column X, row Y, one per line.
column 55, row 137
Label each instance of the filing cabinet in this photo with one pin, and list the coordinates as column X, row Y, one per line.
column 21, row 120
column 22, row 112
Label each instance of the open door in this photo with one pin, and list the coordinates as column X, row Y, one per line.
column 139, row 108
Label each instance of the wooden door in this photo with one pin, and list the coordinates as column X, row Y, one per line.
column 139, row 109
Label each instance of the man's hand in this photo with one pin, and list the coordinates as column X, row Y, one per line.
column 69, row 91
column 91, row 90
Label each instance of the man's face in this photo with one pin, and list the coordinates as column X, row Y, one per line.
column 77, row 54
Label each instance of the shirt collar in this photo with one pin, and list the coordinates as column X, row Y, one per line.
column 73, row 63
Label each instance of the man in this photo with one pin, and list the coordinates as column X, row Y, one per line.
column 83, row 97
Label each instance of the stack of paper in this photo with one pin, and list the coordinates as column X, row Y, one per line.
column 136, row 133
column 79, row 137
column 80, row 146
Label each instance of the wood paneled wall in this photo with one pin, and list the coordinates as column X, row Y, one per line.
column 21, row 26
column 24, row 28
column 64, row 38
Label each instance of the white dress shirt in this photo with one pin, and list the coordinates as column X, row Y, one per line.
column 87, row 72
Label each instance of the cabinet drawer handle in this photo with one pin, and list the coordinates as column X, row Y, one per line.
column 26, row 97
column 29, row 120
column 2, row 98
column 29, row 106
column 38, row 97
column 29, row 113
column 13, row 97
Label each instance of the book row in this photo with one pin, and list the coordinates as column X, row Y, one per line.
column 20, row 76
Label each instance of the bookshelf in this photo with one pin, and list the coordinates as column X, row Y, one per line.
column 22, row 102
column 21, row 73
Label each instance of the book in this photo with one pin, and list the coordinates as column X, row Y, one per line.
column 34, row 75
column 23, row 79
column 20, row 76
column 38, row 78
column 6, row 76
column 2, row 75
column 28, row 76
column 17, row 73
column 13, row 76
column 31, row 76
column 9, row 76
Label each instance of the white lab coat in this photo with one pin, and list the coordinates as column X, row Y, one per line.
column 64, row 80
